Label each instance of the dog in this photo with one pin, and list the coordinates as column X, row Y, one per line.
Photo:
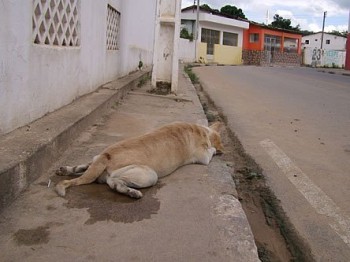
column 135, row 163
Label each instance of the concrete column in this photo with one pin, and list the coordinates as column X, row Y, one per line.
column 167, row 34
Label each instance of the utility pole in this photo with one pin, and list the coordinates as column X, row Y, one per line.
column 267, row 16
column 324, row 19
column 347, row 58
column 197, row 22
column 196, row 31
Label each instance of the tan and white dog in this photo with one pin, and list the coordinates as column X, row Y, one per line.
column 138, row 162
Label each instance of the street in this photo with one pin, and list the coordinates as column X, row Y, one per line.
column 295, row 122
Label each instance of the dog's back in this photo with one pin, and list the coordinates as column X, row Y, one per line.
column 164, row 149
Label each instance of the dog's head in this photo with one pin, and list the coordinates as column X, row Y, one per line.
column 215, row 138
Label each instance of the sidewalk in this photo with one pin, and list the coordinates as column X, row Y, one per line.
column 191, row 215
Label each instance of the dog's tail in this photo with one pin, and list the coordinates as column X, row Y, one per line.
column 96, row 168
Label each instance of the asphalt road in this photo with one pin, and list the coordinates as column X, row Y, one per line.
column 295, row 122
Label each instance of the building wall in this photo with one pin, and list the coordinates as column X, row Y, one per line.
column 336, row 42
column 262, row 32
column 324, row 58
column 227, row 55
column 137, row 33
column 253, row 57
column 255, row 53
column 202, row 53
column 247, row 45
column 187, row 50
column 36, row 79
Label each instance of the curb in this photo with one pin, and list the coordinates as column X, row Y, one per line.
column 334, row 72
column 29, row 151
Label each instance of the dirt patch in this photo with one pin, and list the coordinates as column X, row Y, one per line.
column 162, row 88
column 274, row 235
column 29, row 237
column 104, row 204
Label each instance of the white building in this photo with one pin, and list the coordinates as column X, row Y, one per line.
column 220, row 39
column 330, row 41
column 53, row 51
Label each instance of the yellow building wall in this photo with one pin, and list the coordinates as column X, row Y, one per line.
column 202, row 53
column 227, row 55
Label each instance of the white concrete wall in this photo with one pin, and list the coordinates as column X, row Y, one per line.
column 324, row 58
column 137, row 33
column 37, row 79
column 336, row 42
column 187, row 50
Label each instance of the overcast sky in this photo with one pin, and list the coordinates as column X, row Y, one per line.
column 307, row 13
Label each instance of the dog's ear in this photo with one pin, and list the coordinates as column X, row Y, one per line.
column 215, row 138
column 217, row 126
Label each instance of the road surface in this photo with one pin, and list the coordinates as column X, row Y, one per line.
column 295, row 122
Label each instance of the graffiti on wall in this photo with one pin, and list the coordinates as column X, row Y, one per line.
column 317, row 57
column 334, row 58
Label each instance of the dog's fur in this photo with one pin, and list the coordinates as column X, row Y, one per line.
column 138, row 162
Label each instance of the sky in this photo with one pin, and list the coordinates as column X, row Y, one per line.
column 307, row 13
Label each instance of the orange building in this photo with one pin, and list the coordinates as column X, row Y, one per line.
column 265, row 45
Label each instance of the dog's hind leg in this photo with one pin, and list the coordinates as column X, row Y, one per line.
column 72, row 170
column 128, row 179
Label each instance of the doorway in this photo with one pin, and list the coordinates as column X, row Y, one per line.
column 271, row 45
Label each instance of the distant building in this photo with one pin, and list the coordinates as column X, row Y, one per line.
column 220, row 38
column 265, row 45
column 332, row 54
column 330, row 41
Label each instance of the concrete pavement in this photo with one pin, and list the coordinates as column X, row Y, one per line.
column 191, row 215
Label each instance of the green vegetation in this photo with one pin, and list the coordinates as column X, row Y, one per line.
column 227, row 10
column 280, row 22
column 185, row 34
column 191, row 75
column 143, row 80
column 232, row 11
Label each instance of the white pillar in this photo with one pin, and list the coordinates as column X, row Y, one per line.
column 167, row 34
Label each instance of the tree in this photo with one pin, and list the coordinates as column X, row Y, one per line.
column 340, row 33
column 232, row 11
column 280, row 22
column 208, row 8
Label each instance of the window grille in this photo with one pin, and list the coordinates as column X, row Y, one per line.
column 56, row 22
column 230, row 39
column 254, row 38
column 113, row 22
column 211, row 37
column 290, row 45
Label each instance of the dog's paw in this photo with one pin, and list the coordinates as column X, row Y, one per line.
column 134, row 193
column 62, row 171
column 60, row 189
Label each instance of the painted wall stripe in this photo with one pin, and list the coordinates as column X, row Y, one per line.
column 313, row 194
